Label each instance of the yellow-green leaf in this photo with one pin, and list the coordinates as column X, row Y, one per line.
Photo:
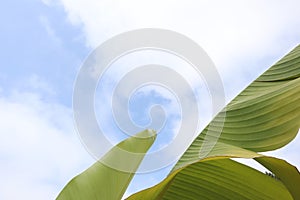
column 264, row 117
column 101, row 182
column 287, row 173
column 216, row 179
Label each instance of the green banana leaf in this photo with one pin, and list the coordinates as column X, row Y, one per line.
column 216, row 178
column 103, row 182
column 287, row 173
column 264, row 117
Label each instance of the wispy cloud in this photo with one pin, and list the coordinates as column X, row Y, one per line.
column 39, row 147
column 50, row 30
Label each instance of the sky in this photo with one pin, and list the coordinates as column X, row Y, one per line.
column 44, row 43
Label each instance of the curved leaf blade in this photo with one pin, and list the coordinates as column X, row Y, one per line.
column 216, row 179
column 286, row 172
column 264, row 117
column 103, row 182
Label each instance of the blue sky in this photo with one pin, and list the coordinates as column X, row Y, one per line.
column 44, row 43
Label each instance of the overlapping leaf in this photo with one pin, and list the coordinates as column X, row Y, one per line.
column 216, row 179
column 265, row 116
column 287, row 173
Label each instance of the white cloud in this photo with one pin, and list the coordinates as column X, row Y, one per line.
column 242, row 37
column 47, row 2
column 224, row 29
column 40, row 151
